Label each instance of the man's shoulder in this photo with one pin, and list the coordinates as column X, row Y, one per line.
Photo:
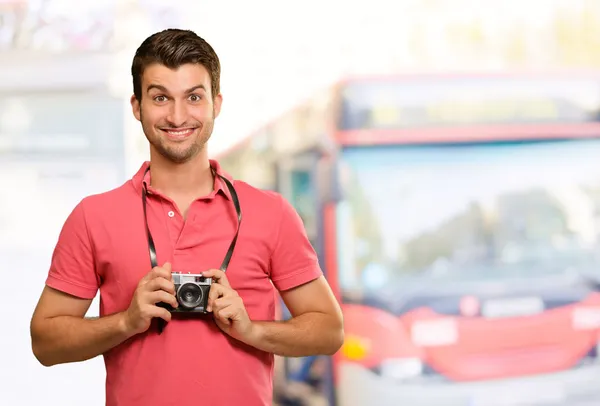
column 106, row 201
column 257, row 197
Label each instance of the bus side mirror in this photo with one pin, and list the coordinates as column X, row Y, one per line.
column 330, row 180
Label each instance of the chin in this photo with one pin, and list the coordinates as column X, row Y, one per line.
column 180, row 156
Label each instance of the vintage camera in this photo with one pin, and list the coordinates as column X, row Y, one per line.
column 191, row 292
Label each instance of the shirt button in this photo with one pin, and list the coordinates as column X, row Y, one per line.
column 171, row 213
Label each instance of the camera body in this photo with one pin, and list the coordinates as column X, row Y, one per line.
column 191, row 292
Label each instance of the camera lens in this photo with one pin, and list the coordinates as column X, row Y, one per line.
column 189, row 295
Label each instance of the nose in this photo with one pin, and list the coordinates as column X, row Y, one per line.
column 177, row 114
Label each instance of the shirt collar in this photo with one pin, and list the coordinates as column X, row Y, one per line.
column 142, row 176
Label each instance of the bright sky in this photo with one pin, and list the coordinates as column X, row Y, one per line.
column 276, row 53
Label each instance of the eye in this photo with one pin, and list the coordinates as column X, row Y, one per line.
column 160, row 98
column 195, row 98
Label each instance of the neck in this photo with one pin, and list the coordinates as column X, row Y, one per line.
column 192, row 178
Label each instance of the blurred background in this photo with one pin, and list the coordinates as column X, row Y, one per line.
column 444, row 156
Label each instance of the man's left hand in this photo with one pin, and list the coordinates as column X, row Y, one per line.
column 228, row 307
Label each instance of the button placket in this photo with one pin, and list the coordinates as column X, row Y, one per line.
column 175, row 227
column 169, row 221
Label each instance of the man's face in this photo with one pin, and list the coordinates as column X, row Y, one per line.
column 177, row 110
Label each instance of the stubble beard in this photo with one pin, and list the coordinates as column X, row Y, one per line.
column 175, row 153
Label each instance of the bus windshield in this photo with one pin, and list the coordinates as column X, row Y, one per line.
column 455, row 101
column 471, row 212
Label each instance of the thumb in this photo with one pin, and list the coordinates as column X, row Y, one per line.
column 167, row 266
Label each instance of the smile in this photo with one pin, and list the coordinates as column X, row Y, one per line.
column 179, row 133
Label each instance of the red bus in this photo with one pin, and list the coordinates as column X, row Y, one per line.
column 457, row 218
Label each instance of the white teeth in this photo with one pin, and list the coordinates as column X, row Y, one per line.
column 178, row 132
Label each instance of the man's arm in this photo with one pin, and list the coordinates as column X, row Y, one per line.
column 60, row 333
column 316, row 326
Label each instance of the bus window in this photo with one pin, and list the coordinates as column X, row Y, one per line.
column 298, row 186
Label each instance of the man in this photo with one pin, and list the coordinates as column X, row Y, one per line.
column 225, row 358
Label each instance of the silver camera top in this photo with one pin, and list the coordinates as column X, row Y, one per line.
column 198, row 279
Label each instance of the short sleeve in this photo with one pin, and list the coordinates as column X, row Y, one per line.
column 294, row 261
column 72, row 268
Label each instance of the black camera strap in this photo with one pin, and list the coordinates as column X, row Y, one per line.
column 228, row 255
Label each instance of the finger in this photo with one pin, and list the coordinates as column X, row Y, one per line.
column 217, row 291
column 156, row 272
column 148, row 277
column 160, row 283
column 221, row 315
column 164, row 314
column 218, row 276
column 214, row 293
column 225, row 301
column 221, row 303
column 227, row 314
column 162, row 296
column 163, row 271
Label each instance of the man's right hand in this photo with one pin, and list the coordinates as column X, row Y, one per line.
column 155, row 287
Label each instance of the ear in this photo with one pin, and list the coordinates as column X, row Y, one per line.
column 218, row 100
column 135, row 107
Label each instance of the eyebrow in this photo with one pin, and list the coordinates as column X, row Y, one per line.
column 164, row 89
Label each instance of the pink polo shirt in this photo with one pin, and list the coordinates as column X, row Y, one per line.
column 103, row 246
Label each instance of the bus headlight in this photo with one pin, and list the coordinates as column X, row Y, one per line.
column 401, row 368
column 586, row 318
column 433, row 333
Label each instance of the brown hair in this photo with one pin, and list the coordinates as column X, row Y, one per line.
column 173, row 48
